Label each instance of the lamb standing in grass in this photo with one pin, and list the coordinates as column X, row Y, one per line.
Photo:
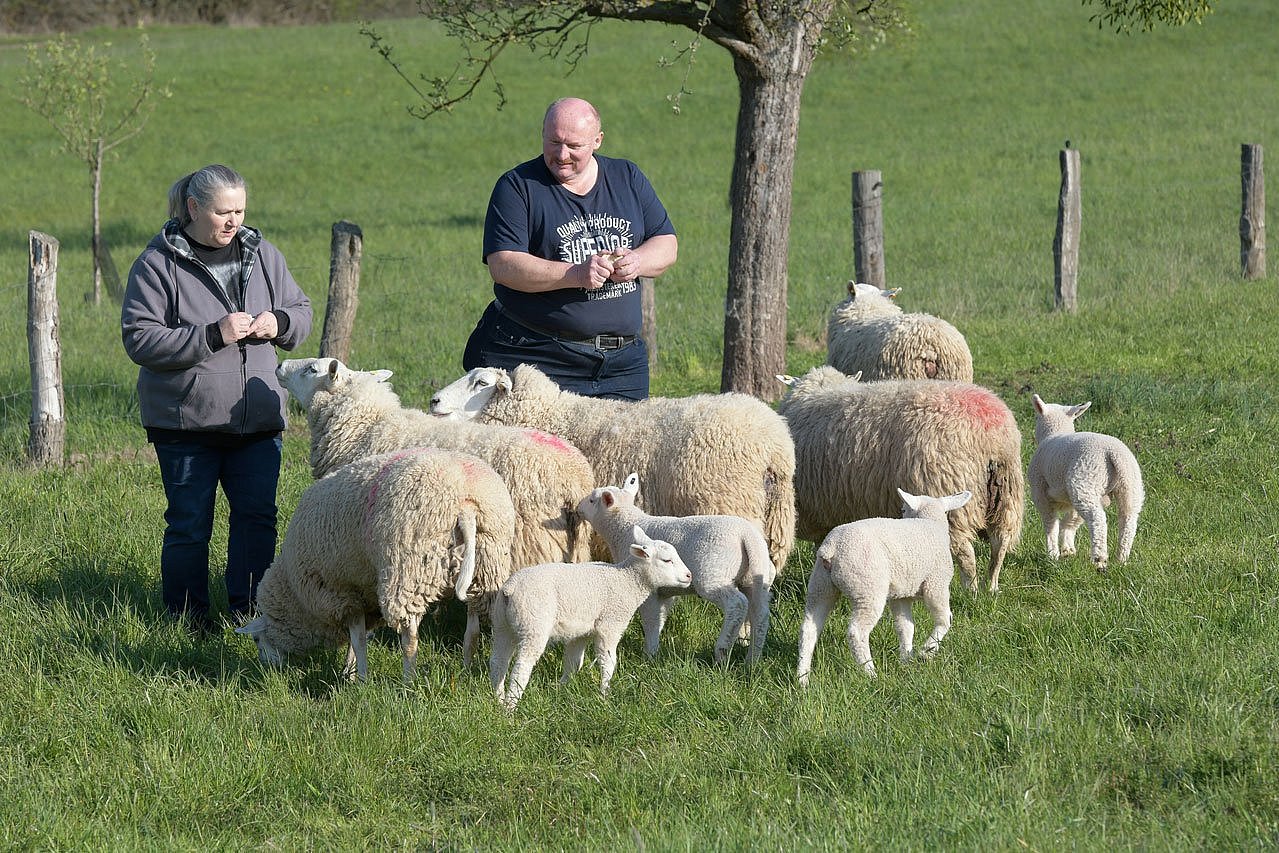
column 708, row 454
column 380, row 541
column 869, row 333
column 857, row 442
column 1073, row 478
column 575, row 604
column 726, row 554
column 878, row 561
column 353, row 414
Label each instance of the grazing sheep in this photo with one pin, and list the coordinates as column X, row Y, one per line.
column 869, row 333
column 1073, row 478
column 575, row 604
column 708, row 454
column 856, row 442
column 380, row 541
column 726, row 554
column 883, row 560
column 353, row 414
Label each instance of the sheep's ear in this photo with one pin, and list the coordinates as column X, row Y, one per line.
column 950, row 503
column 852, row 289
column 631, row 485
column 786, row 379
column 1076, row 411
column 381, row 375
column 1039, row 403
column 890, row 293
column 606, row 498
column 503, row 382
column 856, row 377
column 252, row 627
column 912, row 501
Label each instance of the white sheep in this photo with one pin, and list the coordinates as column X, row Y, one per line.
column 726, row 554
column 1073, row 478
column 575, row 604
column 353, row 414
column 857, row 442
column 878, row 561
column 869, row 333
column 706, row 454
column 380, row 541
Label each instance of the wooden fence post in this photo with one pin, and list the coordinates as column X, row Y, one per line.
column 648, row 330
column 47, row 441
column 1066, row 241
column 868, row 228
column 1252, row 222
column 344, row 290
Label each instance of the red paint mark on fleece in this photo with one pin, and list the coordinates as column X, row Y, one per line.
column 981, row 407
column 548, row 440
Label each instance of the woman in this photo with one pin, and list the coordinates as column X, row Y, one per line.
column 207, row 302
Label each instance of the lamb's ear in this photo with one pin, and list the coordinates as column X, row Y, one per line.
column 606, row 498
column 641, row 545
column 912, row 501
column 381, row 375
column 1039, row 404
column 953, row 502
column 631, row 486
column 253, row 626
column 1076, row 411
column 786, row 379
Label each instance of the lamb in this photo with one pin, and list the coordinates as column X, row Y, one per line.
column 726, row 554
column 380, row 541
column 869, row 333
column 574, row 604
column 856, row 442
column 1075, row 475
column 707, row 454
column 883, row 560
column 353, row 414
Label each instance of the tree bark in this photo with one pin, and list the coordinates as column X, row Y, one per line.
column 760, row 193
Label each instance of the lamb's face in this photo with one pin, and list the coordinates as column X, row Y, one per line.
column 468, row 396
column 602, row 500
column 666, row 568
column 302, row 377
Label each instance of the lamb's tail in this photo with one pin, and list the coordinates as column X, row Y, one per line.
column 466, row 526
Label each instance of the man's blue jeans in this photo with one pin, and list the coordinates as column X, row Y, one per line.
column 191, row 473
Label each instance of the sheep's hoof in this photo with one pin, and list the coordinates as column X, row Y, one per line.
column 1068, row 551
column 803, row 679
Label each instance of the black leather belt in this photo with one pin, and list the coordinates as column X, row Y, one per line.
column 604, row 342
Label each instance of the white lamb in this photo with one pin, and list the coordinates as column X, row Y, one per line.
column 1073, row 478
column 707, row 454
column 575, row 604
column 353, row 414
column 856, row 443
column 878, row 561
column 869, row 333
column 726, row 554
column 380, row 541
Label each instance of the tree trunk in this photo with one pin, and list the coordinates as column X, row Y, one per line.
column 763, row 173
column 96, row 171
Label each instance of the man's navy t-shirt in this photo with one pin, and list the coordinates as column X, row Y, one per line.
column 530, row 212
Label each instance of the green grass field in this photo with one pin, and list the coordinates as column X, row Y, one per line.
column 1136, row 709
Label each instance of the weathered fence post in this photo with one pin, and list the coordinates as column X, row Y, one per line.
column 344, row 290
column 648, row 330
column 868, row 228
column 48, row 409
column 1066, row 241
column 1252, row 222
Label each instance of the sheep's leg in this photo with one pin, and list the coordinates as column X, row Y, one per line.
column 606, row 658
column 937, row 599
column 574, row 654
column 408, row 646
column 760, row 596
column 822, row 596
column 1094, row 516
column 1052, row 532
column 471, row 636
column 500, row 654
column 653, row 614
column 998, row 549
column 527, row 653
column 866, row 615
column 967, row 558
column 1069, row 527
column 734, row 604
column 1127, row 533
column 357, row 654
column 904, row 623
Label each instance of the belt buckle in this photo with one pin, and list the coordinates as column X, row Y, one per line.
column 606, row 342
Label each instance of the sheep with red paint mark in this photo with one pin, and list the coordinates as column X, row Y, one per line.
column 856, row 443
column 381, row 541
column 869, row 333
column 353, row 414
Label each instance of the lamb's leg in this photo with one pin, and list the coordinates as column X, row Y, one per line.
column 574, row 654
column 1069, row 527
column 1094, row 515
column 822, row 596
column 500, row 654
column 606, row 658
column 904, row 623
column 408, row 646
column 1052, row 532
column 936, row 598
column 1127, row 521
column 527, row 653
column 471, row 636
column 760, row 596
column 653, row 614
column 357, row 654
column 734, row 604
column 866, row 613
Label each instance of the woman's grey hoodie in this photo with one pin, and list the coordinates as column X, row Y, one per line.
column 189, row 380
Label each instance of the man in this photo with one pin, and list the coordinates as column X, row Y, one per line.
column 566, row 238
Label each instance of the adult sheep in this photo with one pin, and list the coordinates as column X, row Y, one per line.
column 856, row 443
column 868, row 332
column 380, row 541
column 353, row 414
column 707, row 454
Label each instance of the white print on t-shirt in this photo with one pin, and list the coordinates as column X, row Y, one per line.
column 583, row 236
column 614, row 290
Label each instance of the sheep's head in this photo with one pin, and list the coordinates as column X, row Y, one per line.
column 305, row 377
column 608, row 498
column 1054, row 418
column 665, row 568
column 267, row 653
column 818, row 378
column 465, row 398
